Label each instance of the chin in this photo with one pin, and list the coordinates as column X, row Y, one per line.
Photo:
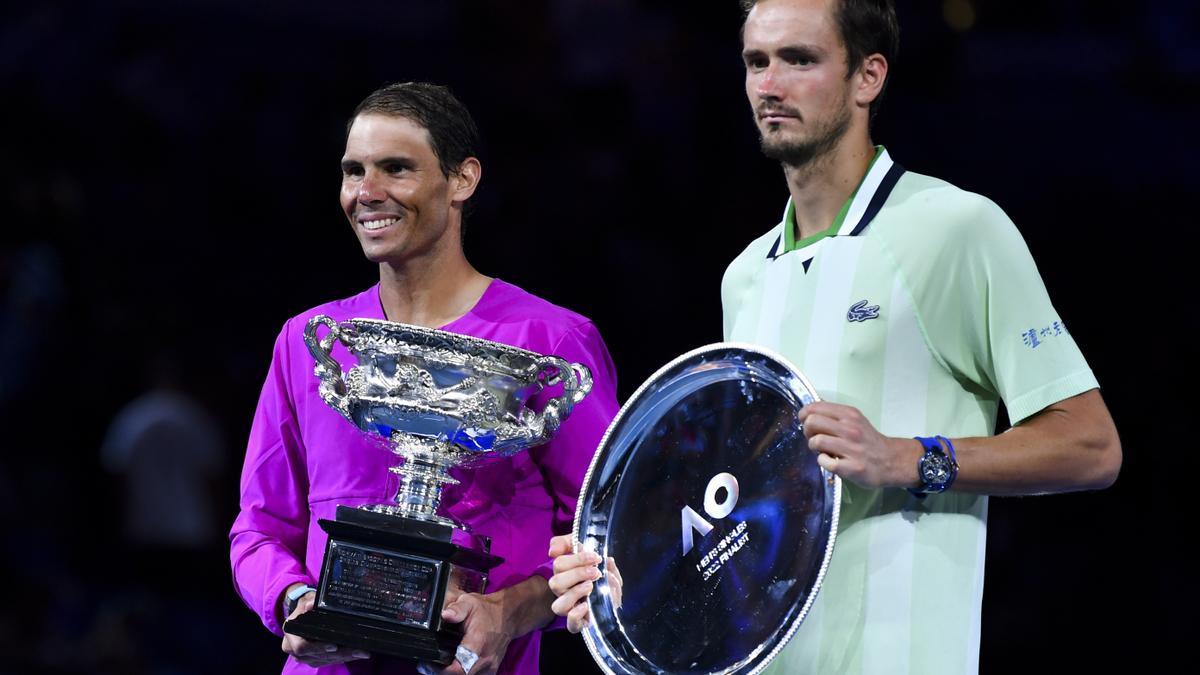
column 780, row 145
column 781, row 138
column 376, row 255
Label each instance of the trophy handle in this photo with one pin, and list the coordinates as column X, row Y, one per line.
column 333, row 387
column 577, row 382
column 584, row 376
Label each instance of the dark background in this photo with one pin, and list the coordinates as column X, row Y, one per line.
column 169, row 177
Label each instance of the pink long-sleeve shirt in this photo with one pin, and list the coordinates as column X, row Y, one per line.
column 303, row 460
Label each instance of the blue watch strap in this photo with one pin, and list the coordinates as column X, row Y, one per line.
column 948, row 447
column 943, row 446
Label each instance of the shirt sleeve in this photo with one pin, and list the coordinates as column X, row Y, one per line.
column 566, row 458
column 990, row 317
column 267, row 541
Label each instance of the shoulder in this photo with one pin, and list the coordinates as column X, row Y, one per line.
column 752, row 256
column 759, row 248
column 510, row 314
column 508, row 303
column 934, row 206
column 361, row 305
column 931, row 217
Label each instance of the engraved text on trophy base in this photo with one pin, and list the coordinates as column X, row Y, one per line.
column 380, row 584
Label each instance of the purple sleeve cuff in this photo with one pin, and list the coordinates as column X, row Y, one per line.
column 545, row 570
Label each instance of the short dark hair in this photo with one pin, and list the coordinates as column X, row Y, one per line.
column 452, row 133
column 867, row 27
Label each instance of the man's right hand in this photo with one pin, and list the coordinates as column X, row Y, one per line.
column 316, row 653
column 572, row 581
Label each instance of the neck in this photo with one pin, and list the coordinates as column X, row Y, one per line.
column 820, row 187
column 430, row 291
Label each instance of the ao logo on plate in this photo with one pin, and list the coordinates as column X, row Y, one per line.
column 694, row 521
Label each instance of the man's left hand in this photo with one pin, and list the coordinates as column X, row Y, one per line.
column 849, row 446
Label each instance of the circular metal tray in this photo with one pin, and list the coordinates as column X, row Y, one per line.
column 719, row 520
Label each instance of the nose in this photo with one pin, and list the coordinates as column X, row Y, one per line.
column 766, row 86
column 369, row 192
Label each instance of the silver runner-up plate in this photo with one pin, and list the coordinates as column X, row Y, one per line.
column 714, row 520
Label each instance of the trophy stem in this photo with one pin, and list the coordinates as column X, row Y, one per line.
column 420, row 490
column 422, row 475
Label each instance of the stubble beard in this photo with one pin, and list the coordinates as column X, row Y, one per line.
column 797, row 153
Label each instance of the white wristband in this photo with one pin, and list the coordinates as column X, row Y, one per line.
column 293, row 596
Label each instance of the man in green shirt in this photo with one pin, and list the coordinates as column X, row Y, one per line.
column 914, row 308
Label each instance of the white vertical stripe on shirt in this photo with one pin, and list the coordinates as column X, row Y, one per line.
column 777, row 282
column 890, row 553
column 831, row 300
column 819, row 362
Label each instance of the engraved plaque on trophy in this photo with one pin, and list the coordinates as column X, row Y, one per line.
column 438, row 400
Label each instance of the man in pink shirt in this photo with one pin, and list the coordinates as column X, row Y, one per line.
column 407, row 174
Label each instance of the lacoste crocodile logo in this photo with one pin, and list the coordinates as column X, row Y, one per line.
column 861, row 311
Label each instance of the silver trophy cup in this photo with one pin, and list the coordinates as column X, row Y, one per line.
column 437, row 400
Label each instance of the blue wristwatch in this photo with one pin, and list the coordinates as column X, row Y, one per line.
column 937, row 468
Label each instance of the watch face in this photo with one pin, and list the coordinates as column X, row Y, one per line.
column 935, row 469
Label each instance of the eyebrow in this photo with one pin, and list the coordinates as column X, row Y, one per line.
column 793, row 51
column 789, row 51
column 405, row 162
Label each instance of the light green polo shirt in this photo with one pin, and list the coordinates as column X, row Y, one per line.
column 922, row 308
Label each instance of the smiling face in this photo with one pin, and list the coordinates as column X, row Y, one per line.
column 394, row 193
column 796, row 78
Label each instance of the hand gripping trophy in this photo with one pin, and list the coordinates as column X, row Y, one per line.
column 438, row 400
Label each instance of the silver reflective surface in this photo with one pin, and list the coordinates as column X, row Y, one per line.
column 440, row 400
column 718, row 518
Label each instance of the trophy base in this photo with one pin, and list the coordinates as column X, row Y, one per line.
column 385, row 580
column 376, row 637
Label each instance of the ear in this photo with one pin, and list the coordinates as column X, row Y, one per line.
column 465, row 179
column 871, row 76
